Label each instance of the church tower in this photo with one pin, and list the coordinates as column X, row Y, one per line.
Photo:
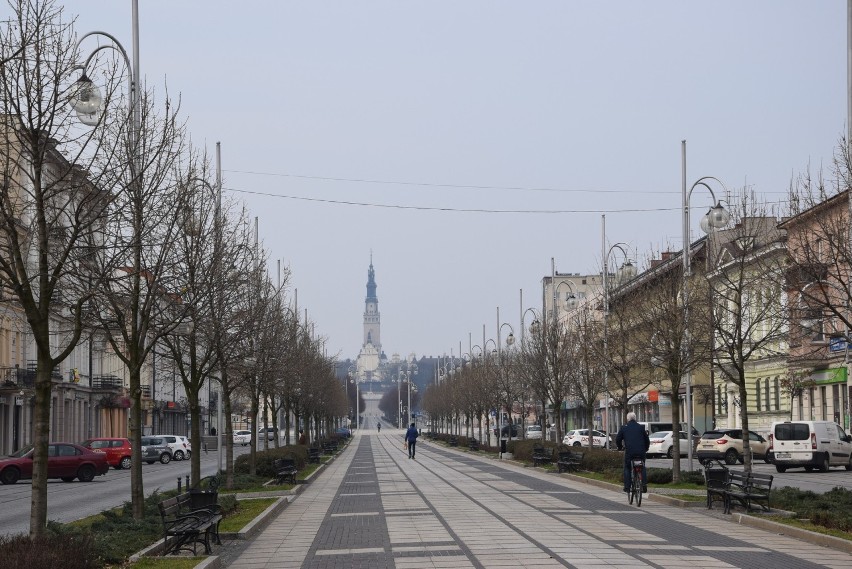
column 372, row 319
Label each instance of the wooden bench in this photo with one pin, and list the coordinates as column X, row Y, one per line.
column 314, row 454
column 473, row 444
column 184, row 527
column 285, row 469
column 541, row 455
column 329, row 447
column 569, row 460
column 747, row 490
column 454, row 441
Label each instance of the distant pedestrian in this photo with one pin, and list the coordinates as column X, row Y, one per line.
column 303, row 440
column 411, row 438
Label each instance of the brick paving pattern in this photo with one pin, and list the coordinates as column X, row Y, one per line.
column 375, row 508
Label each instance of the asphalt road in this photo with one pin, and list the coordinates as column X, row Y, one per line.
column 69, row 501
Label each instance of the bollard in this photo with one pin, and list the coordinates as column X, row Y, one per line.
column 187, row 482
column 178, row 484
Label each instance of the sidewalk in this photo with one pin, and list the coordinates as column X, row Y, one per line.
column 372, row 507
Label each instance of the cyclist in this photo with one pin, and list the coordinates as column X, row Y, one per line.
column 635, row 441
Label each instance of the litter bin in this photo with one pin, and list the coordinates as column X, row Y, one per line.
column 206, row 493
column 503, row 446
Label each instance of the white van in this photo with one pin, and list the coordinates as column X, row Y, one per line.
column 811, row 444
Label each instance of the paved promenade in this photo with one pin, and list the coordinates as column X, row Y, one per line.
column 375, row 508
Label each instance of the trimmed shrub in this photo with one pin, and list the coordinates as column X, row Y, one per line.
column 598, row 459
column 67, row 550
column 659, row 475
column 265, row 458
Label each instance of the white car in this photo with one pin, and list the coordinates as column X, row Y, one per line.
column 580, row 437
column 242, row 438
column 533, row 432
column 663, row 445
column 180, row 446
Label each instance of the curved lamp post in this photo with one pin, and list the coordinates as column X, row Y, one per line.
column 626, row 272
column 716, row 217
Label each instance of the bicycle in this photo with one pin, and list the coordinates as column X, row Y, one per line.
column 635, row 491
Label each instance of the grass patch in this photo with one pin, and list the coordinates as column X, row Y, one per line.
column 687, row 497
column 246, row 511
column 167, row 562
column 810, row 526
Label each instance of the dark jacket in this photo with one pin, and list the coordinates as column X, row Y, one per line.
column 411, row 435
column 633, row 438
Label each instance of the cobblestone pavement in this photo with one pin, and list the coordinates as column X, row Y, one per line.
column 375, row 508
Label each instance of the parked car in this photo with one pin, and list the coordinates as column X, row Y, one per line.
column 343, row 432
column 269, row 432
column 117, row 450
column 154, row 449
column 504, row 432
column 727, row 445
column 533, row 432
column 242, row 438
column 66, row 461
column 580, row 437
column 662, row 444
column 656, row 427
column 180, row 446
column 810, row 444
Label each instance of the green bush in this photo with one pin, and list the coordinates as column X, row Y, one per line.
column 598, row 459
column 659, row 475
column 832, row 509
column 265, row 458
column 67, row 550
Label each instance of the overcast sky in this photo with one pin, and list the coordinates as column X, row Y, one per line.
column 402, row 127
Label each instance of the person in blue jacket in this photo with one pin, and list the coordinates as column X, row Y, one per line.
column 411, row 438
column 635, row 442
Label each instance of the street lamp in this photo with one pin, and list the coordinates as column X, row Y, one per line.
column 717, row 217
column 626, row 272
column 353, row 378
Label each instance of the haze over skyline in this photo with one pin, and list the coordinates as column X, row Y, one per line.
column 465, row 144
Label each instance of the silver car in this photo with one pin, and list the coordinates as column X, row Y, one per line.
column 154, row 449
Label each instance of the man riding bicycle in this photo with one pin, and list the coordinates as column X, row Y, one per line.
column 635, row 441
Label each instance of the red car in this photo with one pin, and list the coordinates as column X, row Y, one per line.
column 117, row 450
column 64, row 460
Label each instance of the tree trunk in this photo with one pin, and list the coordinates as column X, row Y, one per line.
column 676, row 439
column 43, row 387
column 747, row 457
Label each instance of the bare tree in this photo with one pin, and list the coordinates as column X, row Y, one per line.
column 586, row 369
column 749, row 320
column 674, row 341
column 52, row 201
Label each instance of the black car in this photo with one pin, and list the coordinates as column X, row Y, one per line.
column 504, row 432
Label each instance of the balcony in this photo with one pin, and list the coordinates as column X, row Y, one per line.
column 107, row 382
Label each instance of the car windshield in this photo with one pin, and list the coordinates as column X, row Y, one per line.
column 22, row 452
column 95, row 444
column 712, row 435
column 661, row 434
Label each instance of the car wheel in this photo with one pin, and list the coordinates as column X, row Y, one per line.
column 165, row 458
column 849, row 464
column 10, row 475
column 178, row 455
column 86, row 473
column 731, row 457
column 824, row 465
column 780, row 468
column 68, row 479
column 125, row 462
column 670, row 452
column 576, row 444
column 188, row 454
column 767, row 458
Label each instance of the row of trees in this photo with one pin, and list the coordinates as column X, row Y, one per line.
column 115, row 226
column 751, row 295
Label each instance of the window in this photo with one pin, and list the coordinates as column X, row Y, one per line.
column 792, row 432
column 777, row 393
column 823, row 402
column 757, row 393
column 812, row 397
column 766, row 394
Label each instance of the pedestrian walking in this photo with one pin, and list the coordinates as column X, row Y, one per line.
column 303, row 440
column 411, row 439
